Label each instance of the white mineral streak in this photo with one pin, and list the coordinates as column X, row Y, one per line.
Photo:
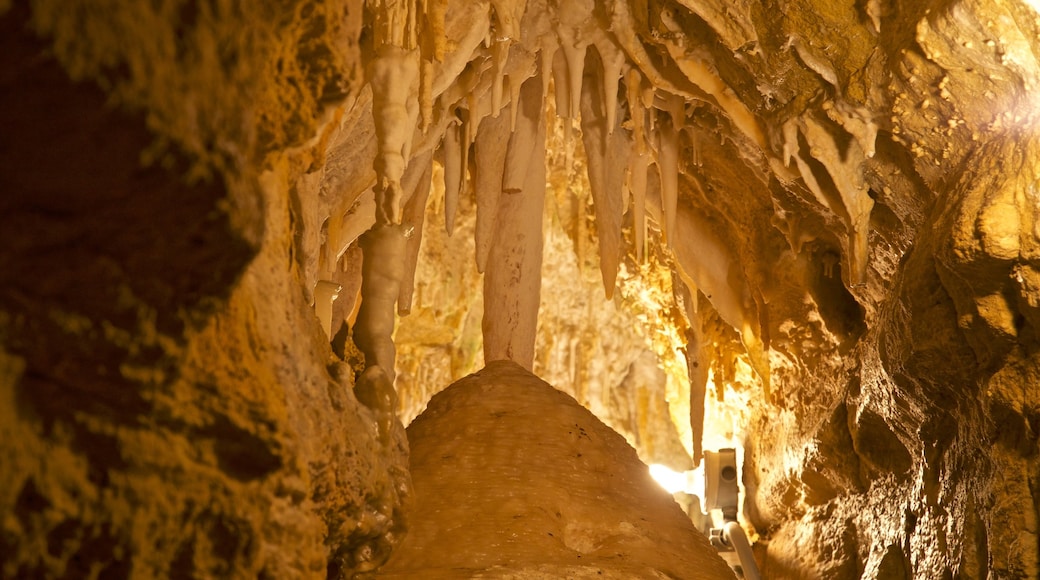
column 453, row 172
column 417, row 181
column 607, row 154
column 382, row 270
column 393, row 76
column 515, row 479
column 512, row 280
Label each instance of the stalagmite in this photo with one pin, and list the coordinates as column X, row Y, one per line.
column 417, row 180
column 512, row 281
column 607, row 154
column 453, row 173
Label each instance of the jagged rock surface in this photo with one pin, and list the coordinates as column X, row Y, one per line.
column 829, row 211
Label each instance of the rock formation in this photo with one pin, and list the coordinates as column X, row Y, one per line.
column 587, row 504
column 806, row 229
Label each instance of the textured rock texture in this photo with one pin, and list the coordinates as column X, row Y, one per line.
column 170, row 407
column 808, row 229
column 514, row 479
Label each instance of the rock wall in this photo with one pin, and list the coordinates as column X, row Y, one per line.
column 816, row 224
column 170, row 406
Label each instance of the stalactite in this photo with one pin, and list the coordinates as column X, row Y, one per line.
column 561, row 85
column 499, row 54
column 426, row 93
column 522, row 65
column 393, row 76
column 574, row 17
column 639, row 160
column 512, row 281
column 490, row 151
column 325, row 293
column 668, row 165
column 453, row 174
column 613, row 60
column 417, row 179
column 639, row 164
column 382, row 270
column 574, row 53
column 607, row 154
column 846, row 170
column 546, row 57
column 515, row 82
column 698, row 362
column 519, row 155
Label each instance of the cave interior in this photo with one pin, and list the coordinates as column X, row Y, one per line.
column 420, row 289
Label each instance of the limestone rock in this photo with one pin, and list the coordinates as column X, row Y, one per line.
column 514, row 479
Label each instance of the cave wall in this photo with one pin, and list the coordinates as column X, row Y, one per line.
column 171, row 407
column 831, row 260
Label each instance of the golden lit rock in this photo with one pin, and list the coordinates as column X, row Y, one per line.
column 809, row 234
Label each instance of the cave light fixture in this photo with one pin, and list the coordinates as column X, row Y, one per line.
column 716, row 486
